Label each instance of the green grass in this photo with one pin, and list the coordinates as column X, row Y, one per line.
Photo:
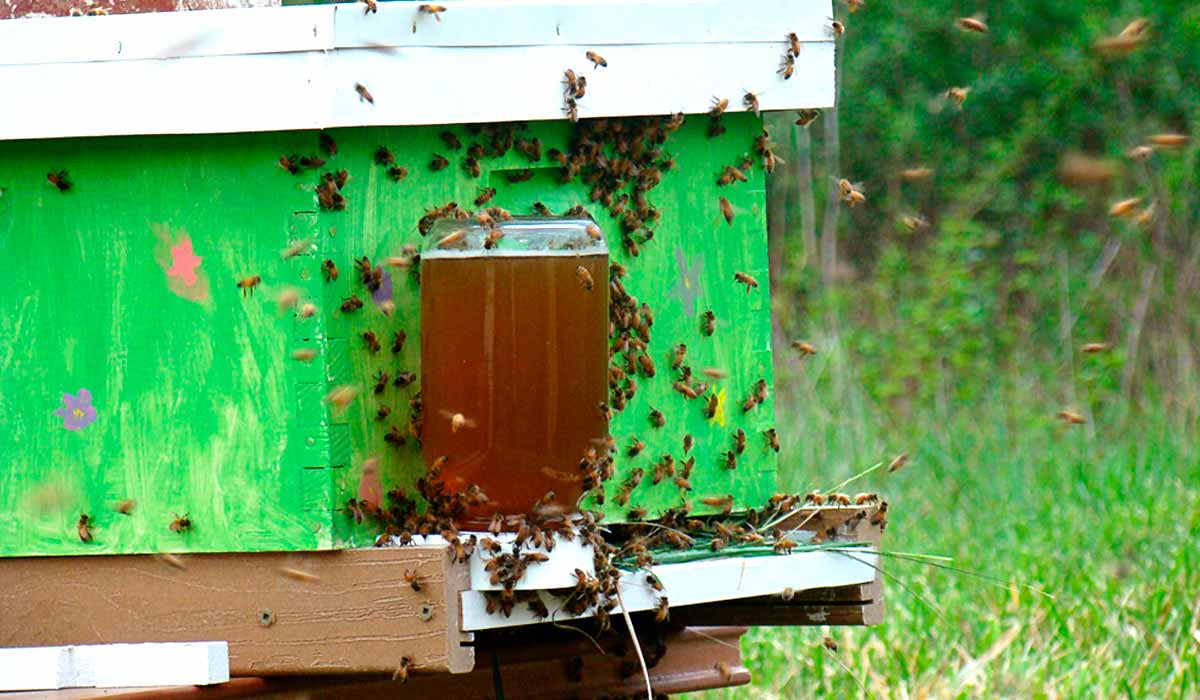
column 1104, row 517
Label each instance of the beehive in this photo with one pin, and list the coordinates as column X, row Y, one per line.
column 126, row 287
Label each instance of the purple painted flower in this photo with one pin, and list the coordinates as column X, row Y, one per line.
column 384, row 293
column 77, row 411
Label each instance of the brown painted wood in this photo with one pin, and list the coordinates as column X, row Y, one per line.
column 334, row 613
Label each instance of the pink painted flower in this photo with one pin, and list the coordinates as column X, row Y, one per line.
column 77, row 411
column 184, row 262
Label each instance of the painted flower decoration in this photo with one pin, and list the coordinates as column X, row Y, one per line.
column 77, row 411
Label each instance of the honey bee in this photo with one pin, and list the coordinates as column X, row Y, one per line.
column 657, row 419
column 485, row 196
column 397, row 173
column 806, row 116
column 384, row 156
column 1071, row 418
column 958, row 95
column 364, row 93
column 662, row 612
column 452, row 238
column 837, row 28
column 726, row 673
column 371, row 341
column 815, row 498
column 493, row 238
column 804, row 347
column 793, row 44
column 299, row 574
column 866, row 498
column 708, row 323
column 913, row 223
column 726, row 210
column 1170, row 140
column 1093, row 348
column 439, row 162
column 772, row 438
column 327, row 144
column 84, row 527
column 585, row 278
column 413, row 580
column 370, row 6
column 688, row 441
column 715, row 373
column 541, row 209
column 916, row 174
column 248, row 284
column 341, row 396
column 288, row 163
column 1146, row 216
column 1079, row 169
column 593, row 232
column 636, row 513
column 520, row 176
column 311, row 162
column 599, row 60
column 750, row 100
column 381, row 380
column 972, row 24
column 126, row 506
column 61, row 180
column 571, row 109
column 181, row 523
column 731, row 459
column 710, row 406
column 787, row 66
column 1140, row 152
column 636, row 447
column 749, row 404
column 1125, row 207
column 718, row 107
column 1136, row 28
column 679, row 355
column 402, row 671
column 784, row 546
column 382, row 413
column 435, row 10
column 743, row 278
column 725, row 503
column 898, row 462
column 646, row 365
column 497, row 524
column 351, row 303
column 450, row 140
column 304, row 354
column 457, row 421
column 739, row 441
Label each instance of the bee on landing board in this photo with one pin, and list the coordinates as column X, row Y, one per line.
column 364, row 93
column 597, row 59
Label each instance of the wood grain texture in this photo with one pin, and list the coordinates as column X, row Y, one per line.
column 335, row 612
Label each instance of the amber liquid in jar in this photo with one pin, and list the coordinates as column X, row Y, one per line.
column 517, row 346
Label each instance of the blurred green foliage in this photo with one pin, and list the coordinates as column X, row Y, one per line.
column 1010, row 275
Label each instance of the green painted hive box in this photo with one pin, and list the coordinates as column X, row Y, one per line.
column 174, row 332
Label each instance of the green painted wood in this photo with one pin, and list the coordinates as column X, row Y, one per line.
column 201, row 408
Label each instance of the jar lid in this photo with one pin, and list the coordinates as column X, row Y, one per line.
column 525, row 236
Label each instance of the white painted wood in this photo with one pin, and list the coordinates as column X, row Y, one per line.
column 282, row 68
column 527, row 84
column 698, row 582
column 114, row 665
column 34, row 668
column 162, row 35
column 310, row 90
column 558, row 572
column 593, row 23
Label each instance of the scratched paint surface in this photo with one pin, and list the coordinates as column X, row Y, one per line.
column 126, row 285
